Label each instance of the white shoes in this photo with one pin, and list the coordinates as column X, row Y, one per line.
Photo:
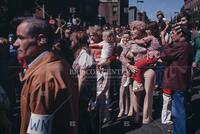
column 137, row 87
column 167, row 122
column 105, row 120
column 120, row 114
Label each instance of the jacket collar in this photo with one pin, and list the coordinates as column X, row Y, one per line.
column 43, row 59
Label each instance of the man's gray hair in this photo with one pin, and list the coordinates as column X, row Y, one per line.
column 38, row 26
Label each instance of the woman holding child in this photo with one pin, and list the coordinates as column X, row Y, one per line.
column 138, row 32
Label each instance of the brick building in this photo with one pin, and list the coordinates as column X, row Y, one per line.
column 87, row 10
column 114, row 11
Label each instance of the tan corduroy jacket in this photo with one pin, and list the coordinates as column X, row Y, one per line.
column 49, row 90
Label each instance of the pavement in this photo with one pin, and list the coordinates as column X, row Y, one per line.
column 126, row 125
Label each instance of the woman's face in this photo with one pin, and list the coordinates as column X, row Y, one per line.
column 134, row 33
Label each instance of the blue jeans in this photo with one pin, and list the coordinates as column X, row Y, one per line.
column 159, row 74
column 178, row 112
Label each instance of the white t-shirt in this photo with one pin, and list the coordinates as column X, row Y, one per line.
column 107, row 50
column 83, row 61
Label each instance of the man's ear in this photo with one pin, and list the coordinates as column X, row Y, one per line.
column 42, row 39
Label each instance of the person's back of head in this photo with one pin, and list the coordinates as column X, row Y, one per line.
column 62, row 48
column 154, row 28
column 160, row 15
column 79, row 39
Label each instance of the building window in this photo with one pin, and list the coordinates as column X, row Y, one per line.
column 126, row 10
column 72, row 10
column 114, row 10
column 114, row 22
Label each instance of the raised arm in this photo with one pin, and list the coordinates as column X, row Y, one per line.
column 144, row 41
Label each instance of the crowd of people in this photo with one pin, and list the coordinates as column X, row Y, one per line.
column 66, row 75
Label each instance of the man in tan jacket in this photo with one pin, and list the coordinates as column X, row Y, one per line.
column 49, row 103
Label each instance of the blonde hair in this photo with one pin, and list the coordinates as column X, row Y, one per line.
column 107, row 34
column 96, row 30
column 139, row 25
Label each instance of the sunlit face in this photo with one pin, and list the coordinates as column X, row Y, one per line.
column 184, row 21
column 175, row 36
column 134, row 33
column 25, row 44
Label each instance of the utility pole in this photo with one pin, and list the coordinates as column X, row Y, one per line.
column 141, row 1
column 176, row 15
column 43, row 10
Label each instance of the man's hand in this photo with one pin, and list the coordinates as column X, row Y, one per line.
column 195, row 67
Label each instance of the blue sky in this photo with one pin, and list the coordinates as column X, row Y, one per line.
column 169, row 7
